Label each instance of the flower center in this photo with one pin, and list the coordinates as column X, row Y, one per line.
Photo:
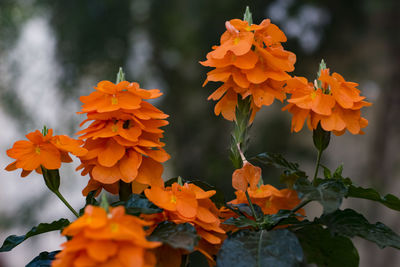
column 37, row 150
column 114, row 128
column 173, row 199
column 236, row 40
column 114, row 100
column 313, row 95
column 114, row 227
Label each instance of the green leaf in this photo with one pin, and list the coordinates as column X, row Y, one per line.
column 327, row 172
column 389, row 200
column 325, row 250
column 183, row 236
column 244, row 209
column 329, row 192
column 138, row 204
column 12, row 241
column 279, row 218
column 120, row 76
column 43, row 260
column 278, row 161
column 350, row 223
column 260, row 248
column 242, row 222
column 248, row 16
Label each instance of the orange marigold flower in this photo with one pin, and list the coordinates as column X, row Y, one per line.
column 47, row 151
column 101, row 239
column 336, row 105
column 250, row 61
column 247, row 175
column 190, row 204
column 123, row 138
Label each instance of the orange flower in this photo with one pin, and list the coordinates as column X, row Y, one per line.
column 248, row 174
column 250, row 61
column 190, row 204
column 47, row 151
column 336, row 105
column 270, row 199
column 101, row 239
column 123, row 138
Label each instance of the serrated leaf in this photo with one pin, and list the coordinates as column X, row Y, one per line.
column 389, row 200
column 325, row 250
column 244, row 209
column 350, row 223
column 329, row 192
column 138, row 204
column 282, row 217
column 43, row 260
column 241, row 222
column 13, row 240
column 260, row 248
column 182, row 236
column 278, row 161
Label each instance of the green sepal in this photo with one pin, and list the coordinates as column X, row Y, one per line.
column 51, row 179
column 321, row 138
column 13, row 240
column 178, row 236
column 248, row 16
column 120, row 76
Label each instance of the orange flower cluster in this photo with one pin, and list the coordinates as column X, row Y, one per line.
column 100, row 239
column 190, row 204
column 47, row 151
column 270, row 199
column 249, row 61
column 123, row 138
column 336, row 105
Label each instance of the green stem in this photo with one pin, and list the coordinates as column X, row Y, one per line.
column 317, row 166
column 253, row 211
column 185, row 260
column 125, row 190
column 302, row 204
column 58, row 194
column 259, row 249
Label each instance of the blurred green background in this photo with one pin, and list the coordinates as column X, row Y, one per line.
column 52, row 52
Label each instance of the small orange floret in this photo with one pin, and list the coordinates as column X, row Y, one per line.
column 250, row 61
column 101, row 239
column 47, row 151
column 123, row 138
column 247, row 175
column 190, row 204
column 335, row 106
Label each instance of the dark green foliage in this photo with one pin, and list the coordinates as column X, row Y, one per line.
column 43, row 260
column 138, row 204
column 325, row 250
column 14, row 240
column 388, row 200
column 183, row 236
column 329, row 192
column 349, row 223
column 246, row 248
